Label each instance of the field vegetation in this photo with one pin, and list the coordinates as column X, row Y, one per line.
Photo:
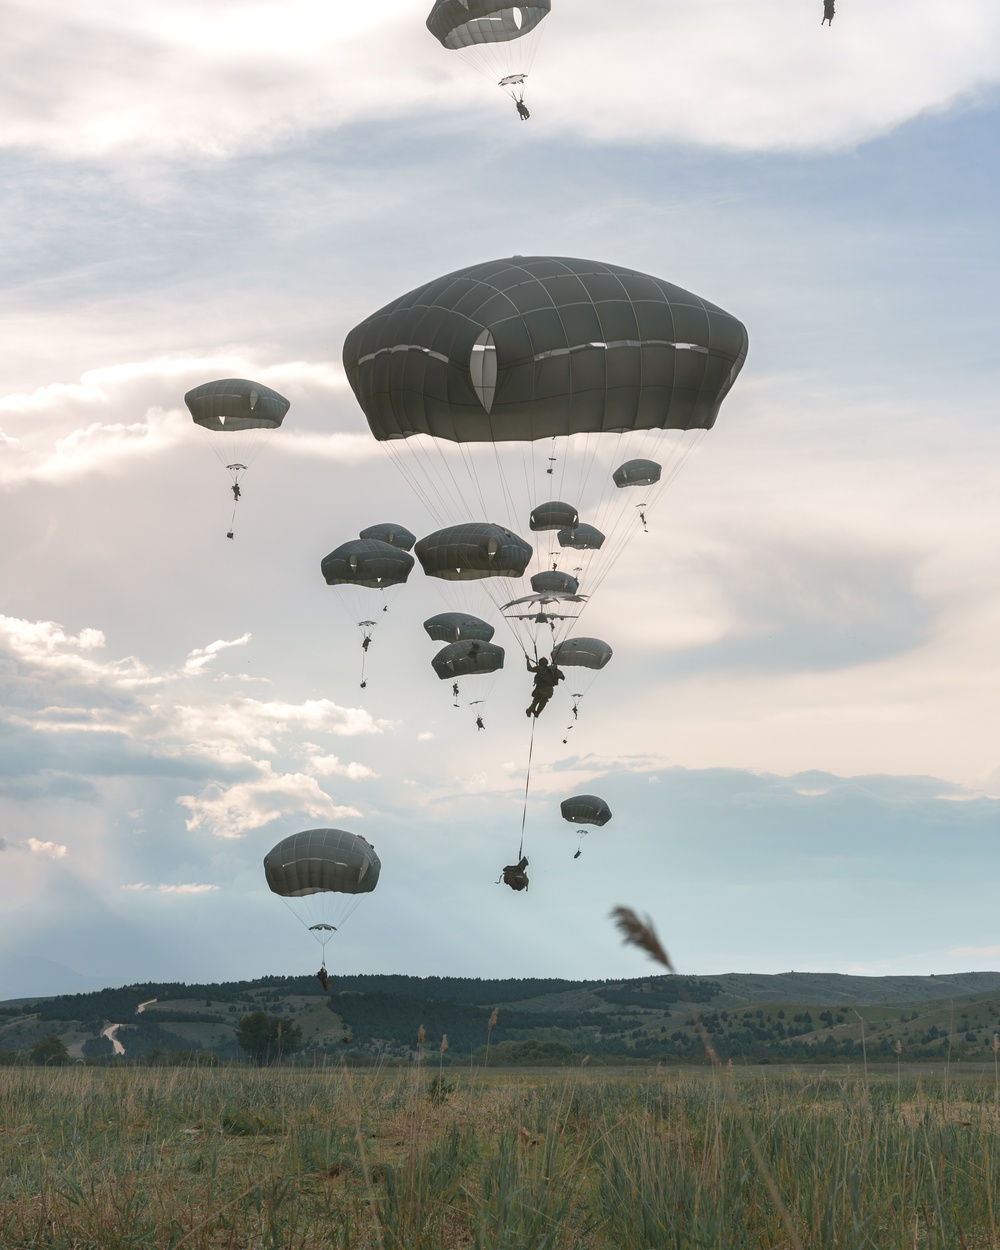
column 429, row 1157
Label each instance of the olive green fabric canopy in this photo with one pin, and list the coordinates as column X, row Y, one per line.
column 464, row 659
column 367, row 562
column 539, row 347
column 582, row 653
column 581, row 538
column 236, row 404
column 637, row 473
column 475, row 550
column 554, row 515
column 318, row 860
column 554, row 581
column 585, row 809
column 466, row 23
column 458, row 626
column 395, row 535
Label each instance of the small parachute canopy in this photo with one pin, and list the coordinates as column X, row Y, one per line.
column 582, row 653
column 471, row 551
column 322, row 860
column 465, row 23
column 458, row 627
column 395, row 535
column 637, row 473
column 553, row 581
column 583, row 538
column 233, row 404
column 555, row 515
column 585, row 809
column 464, row 659
column 367, row 562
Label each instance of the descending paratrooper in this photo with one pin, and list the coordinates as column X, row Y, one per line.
column 495, row 37
column 322, row 875
column 244, row 412
column 547, row 677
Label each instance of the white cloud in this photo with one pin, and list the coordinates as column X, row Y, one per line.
column 974, row 951
column 45, row 653
column 51, row 850
column 180, row 77
column 232, row 811
column 231, row 728
column 62, row 432
column 332, row 766
column 200, row 656
column 188, row 888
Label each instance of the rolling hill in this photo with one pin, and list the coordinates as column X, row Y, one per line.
column 798, row 1017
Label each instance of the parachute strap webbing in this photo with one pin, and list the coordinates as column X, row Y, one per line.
column 527, row 784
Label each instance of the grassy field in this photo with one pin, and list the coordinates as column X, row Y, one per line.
column 673, row 1160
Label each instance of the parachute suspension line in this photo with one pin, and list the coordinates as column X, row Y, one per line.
column 411, row 479
column 513, row 520
column 474, row 481
column 527, row 784
column 473, row 476
column 433, row 464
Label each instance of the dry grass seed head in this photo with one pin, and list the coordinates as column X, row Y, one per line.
column 641, row 933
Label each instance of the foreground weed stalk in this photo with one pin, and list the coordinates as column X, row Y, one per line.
column 643, row 935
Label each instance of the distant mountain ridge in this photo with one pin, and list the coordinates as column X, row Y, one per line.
column 786, row 1017
column 837, row 987
column 808, row 988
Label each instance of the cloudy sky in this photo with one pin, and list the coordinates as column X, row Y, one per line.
column 798, row 734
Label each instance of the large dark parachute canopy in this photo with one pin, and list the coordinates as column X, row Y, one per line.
column 233, row 404
column 582, row 538
column 539, row 347
column 395, row 535
column 321, row 860
column 465, row 23
column 367, row 562
column 555, row 515
column 465, row 659
column 582, row 653
column 554, row 582
column 243, row 413
column 475, row 550
column 322, row 874
column 458, row 626
column 585, row 809
column 637, row 473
